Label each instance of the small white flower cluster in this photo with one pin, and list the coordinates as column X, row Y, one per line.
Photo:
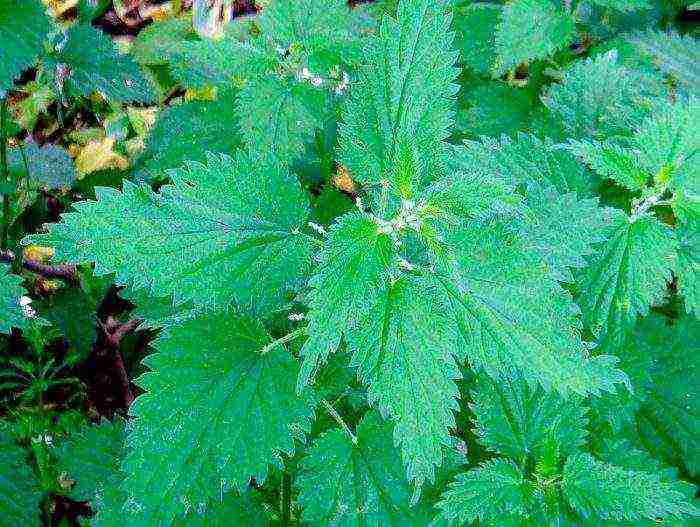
column 339, row 81
column 314, row 80
column 25, row 303
column 43, row 438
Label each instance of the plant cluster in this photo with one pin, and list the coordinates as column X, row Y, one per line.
column 414, row 262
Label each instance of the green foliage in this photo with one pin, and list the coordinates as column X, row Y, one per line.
column 91, row 460
column 186, row 132
column 496, row 489
column 93, row 64
column 589, row 107
column 530, row 29
column 400, row 110
column 676, row 55
column 356, row 480
column 24, row 25
column 609, row 492
column 369, row 288
column 219, row 387
column 668, row 420
column 20, row 493
column 251, row 212
column 12, row 313
column 48, row 166
column 627, row 277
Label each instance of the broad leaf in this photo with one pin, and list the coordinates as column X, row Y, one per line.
column 186, row 132
column 687, row 212
column 676, row 55
column 518, row 421
column 354, row 265
column 12, row 315
column 280, row 116
column 347, row 484
column 24, row 26
column 492, row 491
column 400, row 109
column 204, row 423
column 564, row 229
column 20, row 492
column 530, row 29
column 209, row 237
column 598, row 97
column 402, row 346
column 610, row 492
column 514, row 317
column 627, row 277
column 669, row 420
column 91, row 460
column 93, row 64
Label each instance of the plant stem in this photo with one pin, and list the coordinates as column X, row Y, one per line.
column 338, row 419
column 283, row 340
column 5, row 175
column 286, row 499
column 63, row 271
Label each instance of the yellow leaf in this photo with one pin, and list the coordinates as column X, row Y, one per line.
column 99, row 155
column 38, row 253
column 343, row 180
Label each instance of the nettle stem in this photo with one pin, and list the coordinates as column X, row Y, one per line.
column 4, row 235
column 338, row 419
column 651, row 201
column 283, row 340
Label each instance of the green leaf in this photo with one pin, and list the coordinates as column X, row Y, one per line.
column 530, row 29
column 678, row 56
column 20, row 492
column 401, row 107
column 49, row 166
column 280, row 116
column 492, row 108
column 627, row 277
column 24, row 26
column 514, row 317
column 518, row 421
column 668, row 144
column 594, row 488
column 402, row 346
column 475, row 27
column 354, row 265
column 215, row 413
column 525, row 160
column 612, row 161
column 623, row 5
column 12, row 315
column 494, row 490
column 598, row 97
column 95, row 65
column 186, row 132
column 564, row 229
column 687, row 211
column 234, row 509
column 92, row 460
column 316, row 26
column 345, row 483
column 209, row 237
column 669, row 419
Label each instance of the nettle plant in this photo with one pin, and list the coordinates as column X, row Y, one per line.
column 460, row 346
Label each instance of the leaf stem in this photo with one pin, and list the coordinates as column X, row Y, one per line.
column 338, row 419
column 5, row 175
column 648, row 203
column 283, row 340
column 286, row 499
